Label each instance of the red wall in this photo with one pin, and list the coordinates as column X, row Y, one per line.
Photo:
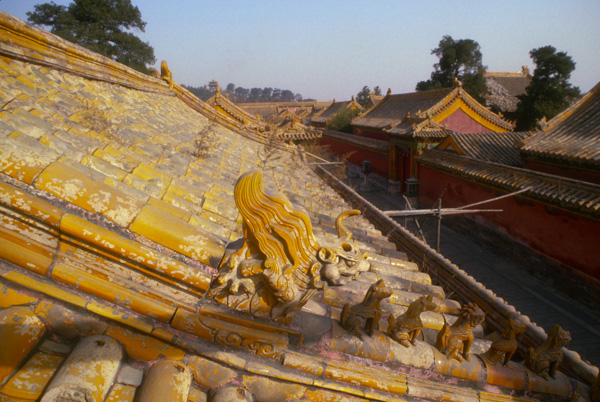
column 461, row 122
column 379, row 162
column 588, row 175
column 378, row 135
column 567, row 237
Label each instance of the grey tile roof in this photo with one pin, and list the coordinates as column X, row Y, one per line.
column 572, row 137
column 490, row 147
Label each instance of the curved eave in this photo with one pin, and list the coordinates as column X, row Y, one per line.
column 559, row 118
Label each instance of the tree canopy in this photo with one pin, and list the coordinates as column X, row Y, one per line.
column 458, row 59
column 363, row 95
column 342, row 120
column 550, row 91
column 101, row 26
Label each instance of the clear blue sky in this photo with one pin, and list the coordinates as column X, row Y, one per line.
column 329, row 49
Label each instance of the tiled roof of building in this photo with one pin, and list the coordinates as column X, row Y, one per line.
column 269, row 109
column 504, row 88
column 290, row 128
column 394, row 110
column 335, row 107
column 574, row 195
column 115, row 214
column 373, row 100
column 572, row 137
column 500, row 148
column 224, row 105
column 419, row 127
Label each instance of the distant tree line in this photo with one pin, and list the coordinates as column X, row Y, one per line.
column 245, row 95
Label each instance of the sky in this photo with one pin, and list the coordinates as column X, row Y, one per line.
column 330, row 49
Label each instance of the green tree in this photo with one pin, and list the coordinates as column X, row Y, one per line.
column 362, row 96
column 341, row 121
column 458, row 59
column 203, row 92
column 549, row 91
column 101, row 26
column 377, row 90
column 287, row 96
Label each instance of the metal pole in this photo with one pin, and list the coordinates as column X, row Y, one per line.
column 439, row 223
column 496, row 199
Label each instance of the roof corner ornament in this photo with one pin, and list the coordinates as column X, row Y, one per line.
column 456, row 83
column 166, row 74
column 506, row 345
column 545, row 359
column 543, row 124
column 278, row 266
column 368, row 310
column 389, row 91
column 455, row 340
column 406, row 328
column 154, row 72
column 525, row 71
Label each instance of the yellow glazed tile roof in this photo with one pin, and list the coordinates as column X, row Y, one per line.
column 112, row 230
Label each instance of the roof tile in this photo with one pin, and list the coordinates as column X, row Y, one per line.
column 179, row 236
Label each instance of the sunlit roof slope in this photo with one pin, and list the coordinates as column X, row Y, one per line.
column 118, row 204
column 572, row 137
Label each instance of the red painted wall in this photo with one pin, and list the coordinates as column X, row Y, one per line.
column 371, row 134
column 379, row 162
column 565, row 236
column 590, row 176
column 460, row 122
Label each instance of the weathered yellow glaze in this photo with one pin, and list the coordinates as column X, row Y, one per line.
column 29, row 205
column 122, row 318
column 20, row 331
column 116, row 158
column 263, row 343
column 470, row 370
column 511, row 376
column 269, row 389
column 179, row 236
column 111, row 292
column 365, row 376
column 171, row 209
column 104, row 167
column 307, row 364
column 149, row 174
column 45, row 288
column 22, row 163
column 24, row 257
column 121, row 393
column 209, row 374
column 89, row 370
column 144, row 186
column 163, row 334
column 30, row 380
column 166, row 380
column 144, row 347
column 10, row 297
column 78, row 189
column 112, row 243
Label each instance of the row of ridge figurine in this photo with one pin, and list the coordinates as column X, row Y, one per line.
column 455, row 340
